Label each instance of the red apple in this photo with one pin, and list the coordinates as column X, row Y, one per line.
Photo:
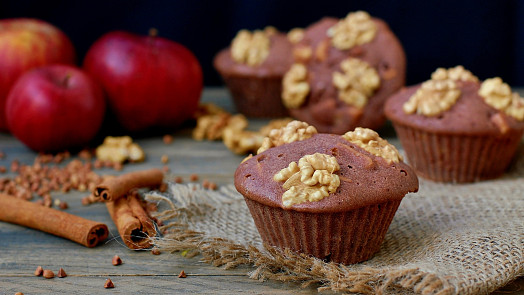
column 149, row 81
column 26, row 44
column 54, row 108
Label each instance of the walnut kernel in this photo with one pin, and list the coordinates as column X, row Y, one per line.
column 119, row 150
column 293, row 131
column 250, row 48
column 436, row 95
column 356, row 83
column 310, row 180
column 370, row 141
column 241, row 141
column 295, row 87
column 356, row 29
column 498, row 94
column 458, row 73
column 295, row 35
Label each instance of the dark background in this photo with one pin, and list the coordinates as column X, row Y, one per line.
column 487, row 37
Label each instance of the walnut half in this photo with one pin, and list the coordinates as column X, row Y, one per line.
column 250, row 48
column 356, row 29
column 119, row 150
column 438, row 94
column 311, row 180
column 370, row 141
column 357, row 82
column 498, row 95
column 293, row 131
column 295, row 87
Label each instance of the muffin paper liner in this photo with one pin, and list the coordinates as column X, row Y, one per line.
column 257, row 97
column 457, row 158
column 343, row 237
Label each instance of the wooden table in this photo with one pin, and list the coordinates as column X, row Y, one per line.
column 22, row 249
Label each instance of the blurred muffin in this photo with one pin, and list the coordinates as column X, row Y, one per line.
column 252, row 68
column 325, row 195
column 455, row 129
column 343, row 71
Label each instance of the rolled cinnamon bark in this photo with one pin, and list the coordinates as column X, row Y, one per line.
column 77, row 229
column 133, row 223
column 113, row 188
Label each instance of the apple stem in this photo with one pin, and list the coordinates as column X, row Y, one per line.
column 153, row 32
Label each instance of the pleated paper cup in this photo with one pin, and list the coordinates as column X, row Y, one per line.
column 342, row 237
column 257, row 97
column 457, row 158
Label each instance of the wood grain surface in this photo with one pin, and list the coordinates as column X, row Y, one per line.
column 23, row 249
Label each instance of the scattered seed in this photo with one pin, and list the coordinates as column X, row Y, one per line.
column 48, row 274
column 182, row 274
column 61, row 273
column 179, row 179
column 19, row 293
column 167, row 139
column 85, row 201
column 164, row 159
column 212, row 186
column 155, row 251
column 109, row 284
column 3, row 169
column 116, row 260
column 63, row 205
column 39, row 271
column 205, row 183
column 193, row 177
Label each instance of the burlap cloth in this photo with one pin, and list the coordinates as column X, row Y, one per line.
column 446, row 239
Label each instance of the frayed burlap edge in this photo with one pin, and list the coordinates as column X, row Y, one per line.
column 285, row 266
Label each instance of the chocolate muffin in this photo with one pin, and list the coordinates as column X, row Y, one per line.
column 455, row 129
column 325, row 195
column 252, row 68
column 343, row 72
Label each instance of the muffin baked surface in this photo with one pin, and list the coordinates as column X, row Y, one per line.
column 365, row 179
column 455, row 128
column 367, row 73
column 469, row 115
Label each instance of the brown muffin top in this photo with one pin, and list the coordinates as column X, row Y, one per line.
column 364, row 178
column 468, row 113
column 323, row 106
column 275, row 64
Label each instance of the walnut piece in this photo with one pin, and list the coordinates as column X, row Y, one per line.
column 274, row 124
column 295, row 35
column 211, row 126
column 293, row 131
column 241, row 141
column 356, row 29
column 370, row 141
column 250, row 48
column 498, row 94
column 458, row 73
column 310, row 180
column 357, row 82
column 438, row 94
column 119, row 150
column 295, row 87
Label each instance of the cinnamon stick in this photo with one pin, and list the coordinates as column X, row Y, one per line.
column 132, row 221
column 113, row 188
column 77, row 229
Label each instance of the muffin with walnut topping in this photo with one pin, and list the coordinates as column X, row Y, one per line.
column 455, row 128
column 252, row 68
column 343, row 71
column 326, row 195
